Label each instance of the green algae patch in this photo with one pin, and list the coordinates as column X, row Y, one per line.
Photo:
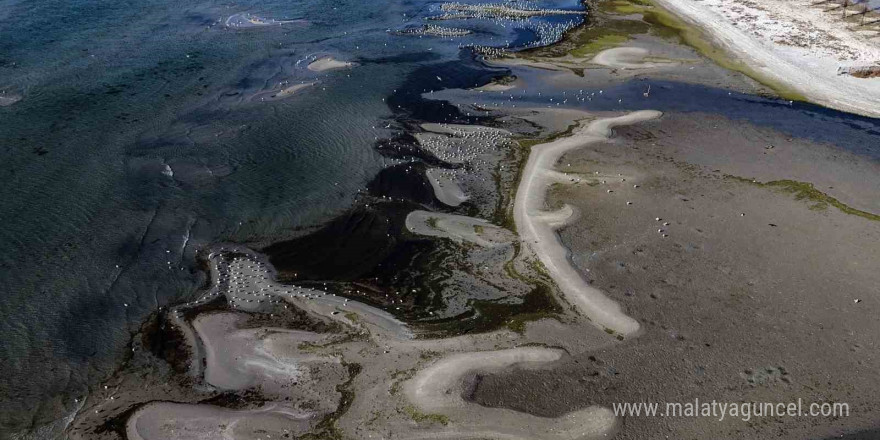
column 487, row 316
column 666, row 24
column 420, row 417
column 327, row 428
column 805, row 191
column 537, row 304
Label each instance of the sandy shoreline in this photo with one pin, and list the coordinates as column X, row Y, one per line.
column 812, row 73
column 657, row 298
column 300, row 374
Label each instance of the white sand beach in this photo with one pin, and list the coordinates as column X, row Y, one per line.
column 795, row 44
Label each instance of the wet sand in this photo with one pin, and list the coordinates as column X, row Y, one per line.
column 744, row 292
column 7, row 100
column 446, row 189
column 627, row 58
column 458, row 228
column 288, row 91
column 324, row 64
column 177, row 421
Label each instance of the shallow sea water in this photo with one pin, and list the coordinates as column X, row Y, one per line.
column 143, row 134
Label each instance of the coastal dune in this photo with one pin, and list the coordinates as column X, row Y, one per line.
column 537, row 227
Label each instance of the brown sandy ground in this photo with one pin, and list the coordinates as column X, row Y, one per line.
column 778, row 304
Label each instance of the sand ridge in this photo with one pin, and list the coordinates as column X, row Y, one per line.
column 438, row 388
column 538, row 229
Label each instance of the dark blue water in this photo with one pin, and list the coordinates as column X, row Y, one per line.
column 857, row 134
column 142, row 135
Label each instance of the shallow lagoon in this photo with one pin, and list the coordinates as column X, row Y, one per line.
column 142, row 136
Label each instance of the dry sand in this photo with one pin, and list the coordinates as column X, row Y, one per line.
column 537, row 227
column 794, row 44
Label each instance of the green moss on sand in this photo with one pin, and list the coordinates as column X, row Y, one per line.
column 807, row 192
column 420, row 417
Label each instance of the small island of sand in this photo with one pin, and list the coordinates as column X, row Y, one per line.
column 329, row 63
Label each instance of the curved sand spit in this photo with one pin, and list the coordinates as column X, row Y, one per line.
column 287, row 91
column 438, row 389
column 626, row 58
column 245, row 20
column 262, row 288
column 537, row 227
column 281, row 92
column 496, row 87
column 268, row 358
column 177, row 421
column 458, row 228
column 446, row 190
